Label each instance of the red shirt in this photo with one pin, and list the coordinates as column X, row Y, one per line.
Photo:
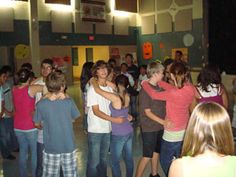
column 177, row 100
column 24, row 108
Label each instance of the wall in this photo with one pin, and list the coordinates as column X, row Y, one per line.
column 166, row 36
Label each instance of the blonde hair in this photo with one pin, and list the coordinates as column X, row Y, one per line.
column 154, row 67
column 209, row 128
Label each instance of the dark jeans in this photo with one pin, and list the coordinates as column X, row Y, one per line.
column 98, row 146
column 39, row 169
column 119, row 145
column 169, row 151
column 133, row 103
column 5, row 137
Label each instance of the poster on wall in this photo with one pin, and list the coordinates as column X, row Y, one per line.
column 147, row 50
column 183, row 50
column 93, row 11
column 61, row 63
column 115, row 54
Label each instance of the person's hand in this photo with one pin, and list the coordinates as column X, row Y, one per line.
column 119, row 120
column 130, row 117
column 168, row 124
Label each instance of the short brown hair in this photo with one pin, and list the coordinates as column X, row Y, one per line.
column 97, row 66
column 154, row 67
column 209, row 128
column 55, row 81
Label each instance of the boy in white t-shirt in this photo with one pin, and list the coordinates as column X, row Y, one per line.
column 99, row 124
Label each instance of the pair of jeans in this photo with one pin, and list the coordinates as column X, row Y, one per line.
column 98, row 147
column 27, row 140
column 133, row 103
column 13, row 143
column 4, row 138
column 39, row 168
column 119, row 145
column 169, row 152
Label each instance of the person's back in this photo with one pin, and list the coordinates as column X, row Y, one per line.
column 207, row 166
column 56, row 140
column 24, row 108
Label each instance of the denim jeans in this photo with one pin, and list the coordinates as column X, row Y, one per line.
column 39, row 168
column 85, row 122
column 121, row 144
column 133, row 103
column 27, row 140
column 13, row 143
column 169, row 151
column 98, row 146
column 4, row 138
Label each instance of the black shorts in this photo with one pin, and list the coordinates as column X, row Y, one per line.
column 151, row 143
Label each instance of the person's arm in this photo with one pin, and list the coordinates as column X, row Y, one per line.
column 108, row 95
column 102, row 115
column 33, row 89
column 225, row 97
column 163, row 95
column 165, row 85
column 2, row 108
column 176, row 169
column 154, row 117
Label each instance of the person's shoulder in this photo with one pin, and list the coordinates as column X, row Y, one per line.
column 176, row 168
column 39, row 81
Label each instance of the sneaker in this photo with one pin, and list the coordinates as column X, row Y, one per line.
column 10, row 157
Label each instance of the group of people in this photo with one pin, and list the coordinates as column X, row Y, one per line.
column 166, row 99
column 161, row 96
column 43, row 116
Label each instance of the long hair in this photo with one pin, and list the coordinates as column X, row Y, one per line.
column 86, row 74
column 180, row 71
column 209, row 128
column 122, row 80
column 210, row 74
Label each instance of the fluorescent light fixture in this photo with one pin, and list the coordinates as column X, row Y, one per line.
column 7, row 3
column 118, row 12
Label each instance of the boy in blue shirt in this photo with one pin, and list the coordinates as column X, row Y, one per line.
column 57, row 112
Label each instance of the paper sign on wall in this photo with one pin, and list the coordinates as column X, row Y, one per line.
column 147, row 50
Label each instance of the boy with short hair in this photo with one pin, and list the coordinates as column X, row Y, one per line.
column 99, row 123
column 57, row 112
column 152, row 121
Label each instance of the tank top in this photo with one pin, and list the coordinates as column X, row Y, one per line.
column 214, row 95
column 124, row 128
column 226, row 169
column 24, row 108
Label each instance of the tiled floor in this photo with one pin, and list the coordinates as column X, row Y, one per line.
column 10, row 168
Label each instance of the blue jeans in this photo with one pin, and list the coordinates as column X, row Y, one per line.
column 169, row 151
column 133, row 103
column 121, row 144
column 39, row 168
column 27, row 140
column 98, row 146
column 85, row 122
column 4, row 138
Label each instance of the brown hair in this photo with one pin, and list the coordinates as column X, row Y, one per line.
column 179, row 70
column 209, row 128
column 97, row 66
column 55, row 81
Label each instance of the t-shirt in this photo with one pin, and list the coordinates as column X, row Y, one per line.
column 1, row 98
column 57, row 117
column 133, row 70
column 7, row 95
column 158, row 107
column 38, row 96
column 124, row 128
column 195, row 168
column 177, row 100
column 96, row 124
